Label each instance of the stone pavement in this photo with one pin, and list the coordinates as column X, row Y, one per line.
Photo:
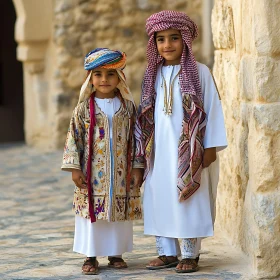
column 37, row 224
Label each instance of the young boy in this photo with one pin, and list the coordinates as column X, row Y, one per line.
column 179, row 131
column 99, row 152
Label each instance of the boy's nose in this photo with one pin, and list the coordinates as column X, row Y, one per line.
column 167, row 43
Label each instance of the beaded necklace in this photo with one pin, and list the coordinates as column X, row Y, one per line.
column 168, row 100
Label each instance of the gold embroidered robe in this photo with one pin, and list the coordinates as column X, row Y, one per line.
column 125, row 205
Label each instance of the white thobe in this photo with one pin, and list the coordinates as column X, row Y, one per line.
column 164, row 215
column 103, row 238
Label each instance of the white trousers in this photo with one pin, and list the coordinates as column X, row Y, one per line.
column 170, row 247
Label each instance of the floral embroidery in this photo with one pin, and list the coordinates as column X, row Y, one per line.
column 124, row 205
column 159, row 246
column 101, row 132
column 100, row 173
column 188, row 248
column 99, row 206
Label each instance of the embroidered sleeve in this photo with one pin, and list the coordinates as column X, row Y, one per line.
column 74, row 145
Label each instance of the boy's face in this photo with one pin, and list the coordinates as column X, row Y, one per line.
column 105, row 81
column 170, row 45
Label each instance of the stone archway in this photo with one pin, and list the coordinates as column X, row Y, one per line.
column 33, row 32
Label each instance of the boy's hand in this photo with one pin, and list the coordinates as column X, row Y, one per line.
column 137, row 177
column 209, row 157
column 79, row 179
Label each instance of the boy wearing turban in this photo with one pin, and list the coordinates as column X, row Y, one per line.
column 179, row 130
column 99, row 151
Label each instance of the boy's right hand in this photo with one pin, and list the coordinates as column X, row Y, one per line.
column 79, row 179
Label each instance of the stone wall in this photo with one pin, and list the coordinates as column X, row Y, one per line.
column 54, row 36
column 82, row 25
column 247, row 69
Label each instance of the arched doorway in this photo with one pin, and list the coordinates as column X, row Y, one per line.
column 11, row 78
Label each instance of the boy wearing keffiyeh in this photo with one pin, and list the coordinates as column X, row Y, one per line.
column 179, row 131
column 99, row 151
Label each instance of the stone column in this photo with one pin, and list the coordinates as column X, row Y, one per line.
column 207, row 40
column 247, row 70
column 32, row 33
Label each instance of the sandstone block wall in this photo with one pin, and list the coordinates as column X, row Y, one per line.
column 54, row 36
column 247, row 69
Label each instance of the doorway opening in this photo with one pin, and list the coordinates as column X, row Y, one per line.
column 11, row 79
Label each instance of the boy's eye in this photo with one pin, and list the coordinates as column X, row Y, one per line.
column 175, row 38
column 96, row 74
column 160, row 39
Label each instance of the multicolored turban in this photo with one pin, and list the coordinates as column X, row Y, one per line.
column 190, row 144
column 108, row 59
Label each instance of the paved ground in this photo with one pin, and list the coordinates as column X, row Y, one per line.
column 36, row 229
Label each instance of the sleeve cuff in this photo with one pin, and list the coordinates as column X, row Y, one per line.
column 70, row 167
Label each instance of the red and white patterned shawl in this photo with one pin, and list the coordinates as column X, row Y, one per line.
column 190, row 148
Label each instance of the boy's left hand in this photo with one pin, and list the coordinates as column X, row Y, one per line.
column 137, row 177
column 209, row 156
